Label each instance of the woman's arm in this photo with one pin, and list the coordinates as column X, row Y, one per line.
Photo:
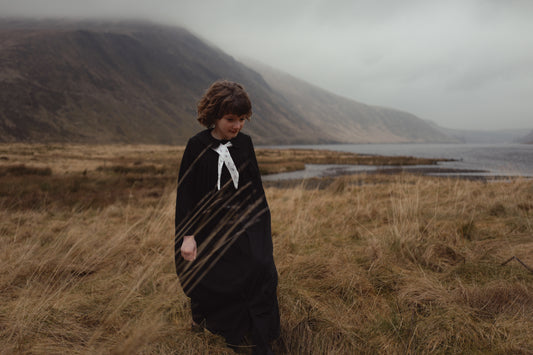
column 185, row 202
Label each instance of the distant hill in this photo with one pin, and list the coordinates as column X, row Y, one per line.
column 482, row 136
column 348, row 120
column 528, row 139
column 105, row 82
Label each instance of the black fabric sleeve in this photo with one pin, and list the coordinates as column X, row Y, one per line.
column 258, row 183
column 263, row 225
column 185, row 196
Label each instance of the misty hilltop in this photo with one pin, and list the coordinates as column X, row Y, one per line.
column 528, row 139
column 127, row 82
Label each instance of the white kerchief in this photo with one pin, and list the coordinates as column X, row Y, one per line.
column 224, row 157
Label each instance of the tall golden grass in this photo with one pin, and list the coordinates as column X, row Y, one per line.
column 406, row 266
column 369, row 264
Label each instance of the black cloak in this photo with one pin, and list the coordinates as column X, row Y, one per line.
column 232, row 283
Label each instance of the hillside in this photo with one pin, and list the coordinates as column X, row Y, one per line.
column 348, row 120
column 480, row 136
column 138, row 83
column 528, row 139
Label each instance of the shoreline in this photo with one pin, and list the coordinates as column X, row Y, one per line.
column 324, row 181
column 492, row 159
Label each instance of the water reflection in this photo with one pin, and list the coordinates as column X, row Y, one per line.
column 329, row 170
column 469, row 160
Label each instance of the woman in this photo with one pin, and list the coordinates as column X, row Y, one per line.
column 223, row 245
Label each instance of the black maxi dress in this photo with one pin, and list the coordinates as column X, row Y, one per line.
column 232, row 283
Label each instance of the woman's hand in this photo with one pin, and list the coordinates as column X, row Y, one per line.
column 188, row 248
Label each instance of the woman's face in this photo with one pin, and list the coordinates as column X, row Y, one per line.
column 228, row 126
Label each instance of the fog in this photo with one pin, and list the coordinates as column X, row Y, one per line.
column 461, row 63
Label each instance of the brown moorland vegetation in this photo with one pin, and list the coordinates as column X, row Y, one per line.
column 367, row 264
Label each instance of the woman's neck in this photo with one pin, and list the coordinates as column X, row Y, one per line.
column 217, row 135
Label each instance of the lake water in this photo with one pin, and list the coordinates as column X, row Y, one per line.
column 468, row 159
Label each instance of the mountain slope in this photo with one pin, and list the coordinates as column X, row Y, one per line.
column 349, row 121
column 139, row 83
column 122, row 83
column 528, row 139
column 501, row 136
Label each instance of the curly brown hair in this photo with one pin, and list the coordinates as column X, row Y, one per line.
column 222, row 98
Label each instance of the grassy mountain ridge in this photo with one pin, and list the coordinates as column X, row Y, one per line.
column 348, row 120
column 108, row 82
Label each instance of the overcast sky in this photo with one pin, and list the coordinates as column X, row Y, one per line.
column 460, row 63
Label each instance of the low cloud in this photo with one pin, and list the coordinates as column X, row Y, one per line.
column 460, row 63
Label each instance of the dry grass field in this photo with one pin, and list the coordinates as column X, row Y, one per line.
column 368, row 264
